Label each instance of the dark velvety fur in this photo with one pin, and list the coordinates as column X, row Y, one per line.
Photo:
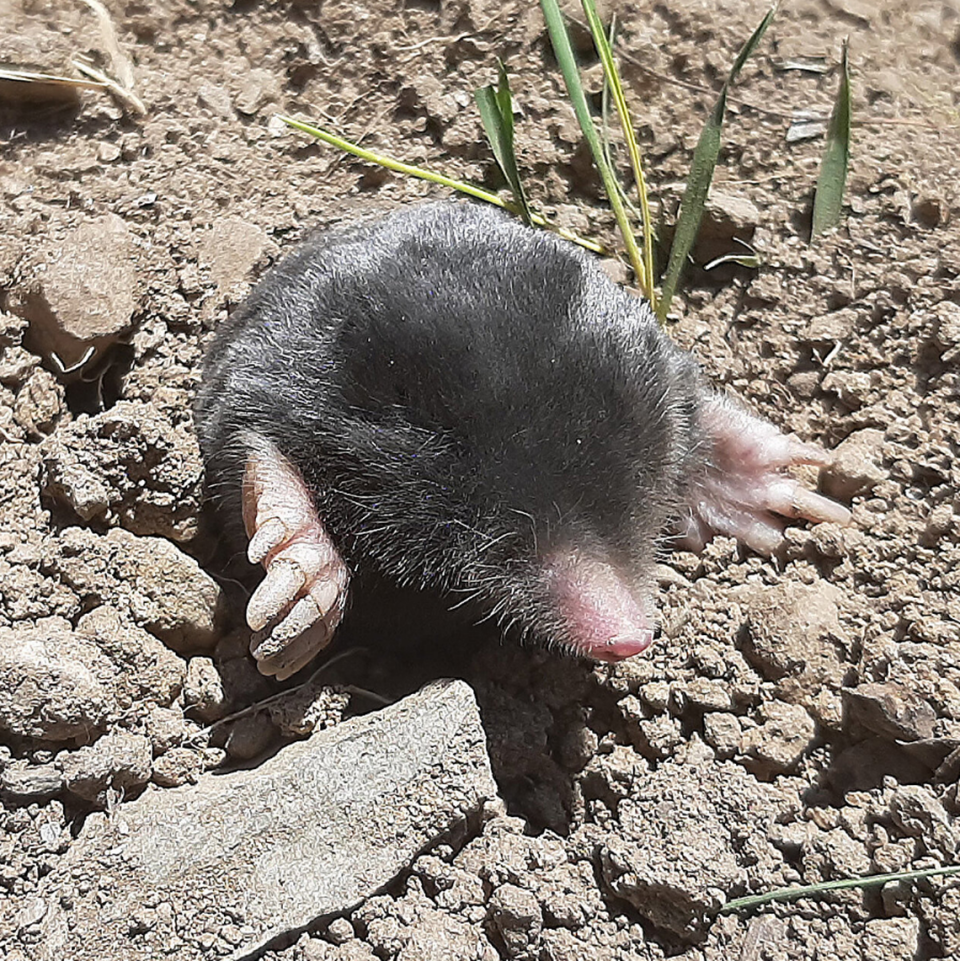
column 463, row 395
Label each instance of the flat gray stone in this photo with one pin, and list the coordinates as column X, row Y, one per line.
column 313, row 831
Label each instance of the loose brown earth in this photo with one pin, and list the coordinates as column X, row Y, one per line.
column 799, row 718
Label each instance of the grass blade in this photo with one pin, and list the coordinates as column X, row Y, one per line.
column 612, row 79
column 605, row 101
column 560, row 39
column 828, row 202
column 496, row 112
column 409, row 170
column 810, row 890
column 701, row 175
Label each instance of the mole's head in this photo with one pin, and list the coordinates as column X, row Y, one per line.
column 519, row 445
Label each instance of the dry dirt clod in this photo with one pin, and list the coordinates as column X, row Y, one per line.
column 795, row 637
column 121, row 762
column 148, row 579
column 179, row 765
column 890, row 710
column 21, row 783
column 55, row 685
column 856, row 469
column 231, row 249
column 778, row 744
column 678, row 878
column 129, row 465
column 203, row 694
column 516, row 917
column 79, row 291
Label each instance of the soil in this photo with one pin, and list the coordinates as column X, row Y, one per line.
column 799, row 718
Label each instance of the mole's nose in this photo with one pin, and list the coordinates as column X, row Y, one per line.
column 605, row 618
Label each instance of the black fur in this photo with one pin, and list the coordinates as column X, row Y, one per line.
column 463, row 395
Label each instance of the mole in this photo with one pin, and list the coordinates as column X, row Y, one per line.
column 455, row 402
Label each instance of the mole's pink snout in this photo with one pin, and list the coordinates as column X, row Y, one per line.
column 605, row 618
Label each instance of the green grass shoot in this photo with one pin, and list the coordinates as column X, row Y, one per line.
column 828, row 202
column 496, row 113
column 409, row 170
column 495, row 104
column 563, row 49
column 701, row 174
column 814, row 890
column 612, row 80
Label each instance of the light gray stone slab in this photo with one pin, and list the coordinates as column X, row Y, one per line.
column 220, row 868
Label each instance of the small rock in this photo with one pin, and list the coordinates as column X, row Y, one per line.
column 107, row 153
column 340, row 930
column 216, row 98
column 662, row 735
column 203, row 694
column 722, row 732
column 613, row 775
column 804, row 383
column 853, row 387
column 24, row 783
column 890, row 710
column 516, row 917
column 310, row 707
column 729, row 213
column 856, row 469
column 766, row 288
column 32, row 912
column 784, row 737
column 256, row 88
column 177, row 766
column 166, row 728
column 656, row 695
column 40, row 403
column 120, row 761
column 16, row 364
column 947, row 329
column 929, row 211
column 231, row 249
column 705, row 694
column 940, row 522
column 54, row 684
column 861, row 10
column 838, row 325
column 80, row 291
column 794, row 636
column 249, row 737
column 921, row 815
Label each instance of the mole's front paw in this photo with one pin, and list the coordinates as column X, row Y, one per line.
column 298, row 605
column 743, row 491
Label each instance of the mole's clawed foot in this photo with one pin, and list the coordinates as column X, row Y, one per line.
column 744, row 492
column 298, row 605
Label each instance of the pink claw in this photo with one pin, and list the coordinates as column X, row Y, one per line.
column 298, row 605
column 743, row 491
